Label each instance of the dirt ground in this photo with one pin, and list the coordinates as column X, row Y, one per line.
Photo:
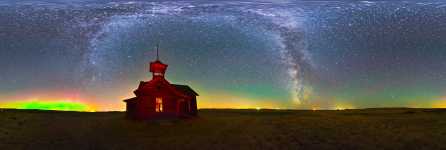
column 227, row 129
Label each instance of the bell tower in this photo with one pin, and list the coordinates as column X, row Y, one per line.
column 157, row 68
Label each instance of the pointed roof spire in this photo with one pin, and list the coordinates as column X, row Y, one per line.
column 157, row 53
column 157, row 67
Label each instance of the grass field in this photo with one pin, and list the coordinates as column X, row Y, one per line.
column 227, row 129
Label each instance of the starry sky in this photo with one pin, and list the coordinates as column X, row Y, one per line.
column 235, row 54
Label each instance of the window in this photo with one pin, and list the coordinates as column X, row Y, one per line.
column 159, row 104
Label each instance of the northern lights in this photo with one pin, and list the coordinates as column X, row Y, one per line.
column 48, row 105
column 235, row 54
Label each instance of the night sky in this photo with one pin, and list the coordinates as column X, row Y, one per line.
column 250, row 54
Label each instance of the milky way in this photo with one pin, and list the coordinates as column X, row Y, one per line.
column 235, row 54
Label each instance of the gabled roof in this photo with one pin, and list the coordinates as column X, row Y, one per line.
column 130, row 99
column 179, row 91
column 185, row 89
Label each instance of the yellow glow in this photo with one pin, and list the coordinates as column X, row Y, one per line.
column 340, row 108
column 159, row 104
column 235, row 102
column 343, row 106
column 439, row 104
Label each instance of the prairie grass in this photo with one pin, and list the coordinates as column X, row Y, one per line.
column 363, row 129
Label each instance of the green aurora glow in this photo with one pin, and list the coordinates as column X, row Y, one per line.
column 41, row 105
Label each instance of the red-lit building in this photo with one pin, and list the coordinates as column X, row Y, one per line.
column 158, row 98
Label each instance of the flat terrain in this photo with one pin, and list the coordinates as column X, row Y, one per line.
column 227, row 129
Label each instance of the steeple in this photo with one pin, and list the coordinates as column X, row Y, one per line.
column 157, row 68
column 157, row 55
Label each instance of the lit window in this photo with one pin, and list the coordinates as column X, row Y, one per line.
column 159, row 104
